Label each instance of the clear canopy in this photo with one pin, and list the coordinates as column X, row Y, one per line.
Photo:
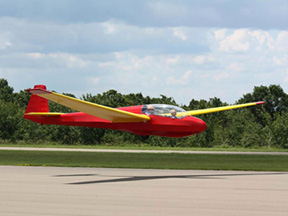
column 164, row 110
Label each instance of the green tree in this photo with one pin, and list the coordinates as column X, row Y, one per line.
column 6, row 92
column 66, row 135
column 163, row 100
column 91, row 135
column 276, row 100
column 280, row 130
column 264, row 125
column 21, row 99
column 8, row 120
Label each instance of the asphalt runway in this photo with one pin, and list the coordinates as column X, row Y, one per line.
column 140, row 151
column 100, row 191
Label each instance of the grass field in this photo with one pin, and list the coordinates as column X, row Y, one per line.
column 145, row 160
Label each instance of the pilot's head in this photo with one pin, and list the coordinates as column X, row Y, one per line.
column 173, row 112
column 150, row 109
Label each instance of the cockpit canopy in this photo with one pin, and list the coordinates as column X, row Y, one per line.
column 164, row 110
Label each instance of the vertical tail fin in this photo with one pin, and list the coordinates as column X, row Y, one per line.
column 36, row 103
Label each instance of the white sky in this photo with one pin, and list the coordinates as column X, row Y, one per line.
column 183, row 48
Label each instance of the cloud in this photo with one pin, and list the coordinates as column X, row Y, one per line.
column 263, row 40
column 189, row 49
column 201, row 59
column 282, row 41
column 5, row 44
column 180, row 80
column 94, row 80
column 236, row 42
column 179, row 34
column 281, row 60
column 173, row 60
column 150, row 13
column 285, row 78
column 235, row 67
column 161, row 11
column 109, row 27
column 246, row 40
column 5, row 41
column 220, row 34
column 104, row 37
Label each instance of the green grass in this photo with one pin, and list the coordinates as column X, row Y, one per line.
column 143, row 147
column 145, row 160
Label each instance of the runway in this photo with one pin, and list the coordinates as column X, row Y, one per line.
column 99, row 191
column 140, row 151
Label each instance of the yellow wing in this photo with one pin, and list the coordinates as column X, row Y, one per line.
column 104, row 112
column 218, row 109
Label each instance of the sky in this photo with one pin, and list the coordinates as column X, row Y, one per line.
column 184, row 49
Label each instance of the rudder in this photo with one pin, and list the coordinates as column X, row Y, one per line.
column 36, row 103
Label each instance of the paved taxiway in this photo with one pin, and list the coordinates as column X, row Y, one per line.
column 140, row 151
column 99, row 191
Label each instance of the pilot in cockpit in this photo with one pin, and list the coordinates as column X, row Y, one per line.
column 150, row 110
column 173, row 114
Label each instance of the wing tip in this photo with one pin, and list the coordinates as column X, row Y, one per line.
column 260, row 102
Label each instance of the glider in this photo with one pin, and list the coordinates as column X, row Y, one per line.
column 151, row 119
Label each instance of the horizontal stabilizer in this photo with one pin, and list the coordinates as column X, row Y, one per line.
column 44, row 114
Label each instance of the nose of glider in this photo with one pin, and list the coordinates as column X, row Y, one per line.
column 199, row 125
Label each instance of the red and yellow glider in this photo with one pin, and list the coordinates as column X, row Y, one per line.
column 153, row 119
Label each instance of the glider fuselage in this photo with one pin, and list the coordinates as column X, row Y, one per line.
column 150, row 119
column 157, row 125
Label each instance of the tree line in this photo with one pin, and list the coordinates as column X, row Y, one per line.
column 258, row 126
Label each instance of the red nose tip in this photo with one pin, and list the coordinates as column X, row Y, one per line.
column 199, row 125
column 202, row 125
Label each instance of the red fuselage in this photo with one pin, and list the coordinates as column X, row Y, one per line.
column 157, row 125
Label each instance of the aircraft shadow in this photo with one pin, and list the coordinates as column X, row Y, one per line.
column 75, row 175
column 145, row 178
